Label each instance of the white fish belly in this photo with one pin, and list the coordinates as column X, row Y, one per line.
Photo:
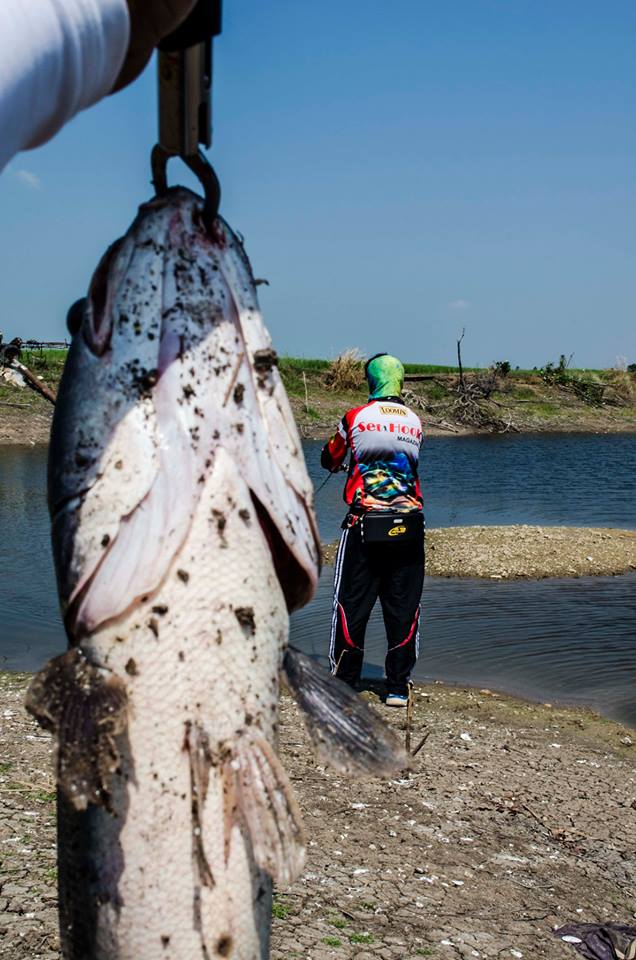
column 200, row 659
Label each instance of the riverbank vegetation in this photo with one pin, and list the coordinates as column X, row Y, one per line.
column 449, row 401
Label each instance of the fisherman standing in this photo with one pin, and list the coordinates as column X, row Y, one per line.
column 381, row 551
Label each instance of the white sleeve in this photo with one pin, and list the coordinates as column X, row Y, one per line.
column 56, row 58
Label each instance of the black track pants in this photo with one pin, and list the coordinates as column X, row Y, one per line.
column 394, row 572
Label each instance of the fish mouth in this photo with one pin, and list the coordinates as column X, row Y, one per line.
column 63, row 503
column 297, row 582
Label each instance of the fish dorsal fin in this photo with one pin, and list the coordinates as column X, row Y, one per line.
column 265, row 805
column 345, row 732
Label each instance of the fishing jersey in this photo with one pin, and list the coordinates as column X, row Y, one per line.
column 384, row 438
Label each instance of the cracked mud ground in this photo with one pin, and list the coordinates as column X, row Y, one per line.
column 515, row 818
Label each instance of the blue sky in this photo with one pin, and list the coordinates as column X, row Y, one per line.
column 399, row 171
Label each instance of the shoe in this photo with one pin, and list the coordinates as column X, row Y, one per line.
column 396, row 700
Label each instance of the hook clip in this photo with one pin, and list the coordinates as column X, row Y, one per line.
column 201, row 168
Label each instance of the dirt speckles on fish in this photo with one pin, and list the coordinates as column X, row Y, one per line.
column 221, row 522
column 245, row 616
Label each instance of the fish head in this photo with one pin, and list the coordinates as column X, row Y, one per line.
column 170, row 330
column 102, row 454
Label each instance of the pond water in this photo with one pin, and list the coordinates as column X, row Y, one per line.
column 555, row 640
column 555, row 479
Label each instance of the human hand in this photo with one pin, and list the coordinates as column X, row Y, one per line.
column 150, row 22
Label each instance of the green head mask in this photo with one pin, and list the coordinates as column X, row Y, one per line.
column 385, row 376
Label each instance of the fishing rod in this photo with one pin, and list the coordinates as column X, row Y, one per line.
column 343, row 468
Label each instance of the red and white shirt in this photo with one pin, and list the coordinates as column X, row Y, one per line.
column 384, row 438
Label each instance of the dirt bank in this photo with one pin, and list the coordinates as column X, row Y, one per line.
column 20, row 426
column 514, row 818
column 522, row 401
column 525, row 552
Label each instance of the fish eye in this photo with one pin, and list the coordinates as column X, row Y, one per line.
column 75, row 316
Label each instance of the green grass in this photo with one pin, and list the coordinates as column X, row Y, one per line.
column 337, row 922
column 543, row 409
column 35, row 795
column 44, row 356
column 522, row 393
column 279, row 910
column 424, row 952
column 289, row 365
column 44, row 796
column 6, row 767
column 435, row 391
column 298, row 364
column 47, row 364
column 293, row 384
column 332, row 941
column 434, row 368
column 361, row 938
column 44, row 361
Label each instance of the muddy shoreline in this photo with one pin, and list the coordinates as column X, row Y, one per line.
column 514, row 818
column 33, row 429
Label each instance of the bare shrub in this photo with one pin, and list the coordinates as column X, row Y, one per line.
column 620, row 388
column 346, row 371
column 473, row 396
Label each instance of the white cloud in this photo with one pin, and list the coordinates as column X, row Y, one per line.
column 459, row 304
column 29, row 179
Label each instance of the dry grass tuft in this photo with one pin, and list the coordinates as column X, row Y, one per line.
column 346, row 372
column 622, row 384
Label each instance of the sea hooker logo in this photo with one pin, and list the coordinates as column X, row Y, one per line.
column 399, row 428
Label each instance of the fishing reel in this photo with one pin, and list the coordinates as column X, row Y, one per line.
column 185, row 102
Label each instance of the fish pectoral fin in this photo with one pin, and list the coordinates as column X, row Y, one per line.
column 345, row 731
column 264, row 804
column 85, row 708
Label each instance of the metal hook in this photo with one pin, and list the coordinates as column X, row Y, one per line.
column 202, row 169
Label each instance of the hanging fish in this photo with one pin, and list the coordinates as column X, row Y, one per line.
column 183, row 534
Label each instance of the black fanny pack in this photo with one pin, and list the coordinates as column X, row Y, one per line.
column 379, row 526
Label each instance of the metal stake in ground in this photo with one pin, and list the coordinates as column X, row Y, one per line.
column 409, row 717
